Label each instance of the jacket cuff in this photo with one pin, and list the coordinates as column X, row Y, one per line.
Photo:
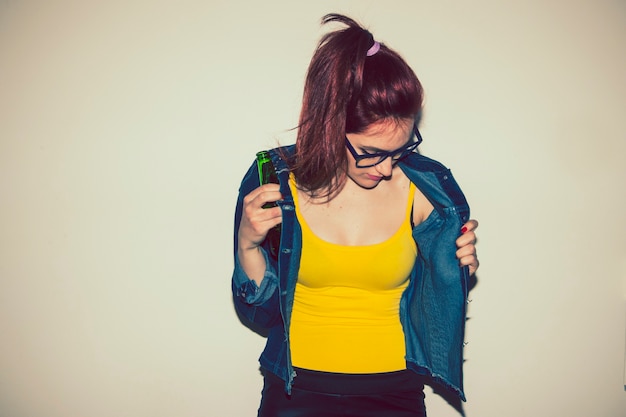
column 248, row 290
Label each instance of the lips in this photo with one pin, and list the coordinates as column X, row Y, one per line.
column 373, row 177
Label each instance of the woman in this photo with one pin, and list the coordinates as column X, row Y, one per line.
column 367, row 295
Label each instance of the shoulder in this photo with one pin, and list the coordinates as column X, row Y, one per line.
column 434, row 179
column 421, row 163
column 282, row 154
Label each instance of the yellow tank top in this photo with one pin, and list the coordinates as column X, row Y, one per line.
column 346, row 310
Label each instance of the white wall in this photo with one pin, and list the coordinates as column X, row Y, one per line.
column 125, row 128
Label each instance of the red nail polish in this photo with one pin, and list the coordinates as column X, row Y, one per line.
column 463, row 229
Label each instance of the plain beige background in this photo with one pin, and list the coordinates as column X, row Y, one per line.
column 125, row 127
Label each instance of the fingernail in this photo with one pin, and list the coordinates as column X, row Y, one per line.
column 463, row 229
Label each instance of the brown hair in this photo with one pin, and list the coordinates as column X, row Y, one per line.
column 345, row 92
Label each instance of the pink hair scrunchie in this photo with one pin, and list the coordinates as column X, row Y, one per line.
column 374, row 48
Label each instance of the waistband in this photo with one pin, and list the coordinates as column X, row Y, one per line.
column 355, row 384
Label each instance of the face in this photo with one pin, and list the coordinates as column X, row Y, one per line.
column 384, row 136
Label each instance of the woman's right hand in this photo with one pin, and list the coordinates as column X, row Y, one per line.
column 256, row 221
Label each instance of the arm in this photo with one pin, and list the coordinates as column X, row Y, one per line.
column 254, row 280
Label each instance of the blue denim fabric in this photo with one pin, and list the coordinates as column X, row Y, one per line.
column 432, row 308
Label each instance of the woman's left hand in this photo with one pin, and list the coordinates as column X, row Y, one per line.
column 466, row 244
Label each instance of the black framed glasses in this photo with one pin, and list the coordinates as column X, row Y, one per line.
column 370, row 159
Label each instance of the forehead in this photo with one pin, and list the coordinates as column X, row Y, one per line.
column 387, row 126
column 388, row 134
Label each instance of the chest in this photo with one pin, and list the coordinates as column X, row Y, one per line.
column 364, row 218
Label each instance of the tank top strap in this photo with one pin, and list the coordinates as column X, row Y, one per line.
column 409, row 206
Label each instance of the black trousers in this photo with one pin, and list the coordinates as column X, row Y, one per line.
column 324, row 394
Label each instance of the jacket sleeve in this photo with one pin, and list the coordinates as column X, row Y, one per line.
column 257, row 304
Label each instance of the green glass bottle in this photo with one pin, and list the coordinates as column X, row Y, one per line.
column 267, row 174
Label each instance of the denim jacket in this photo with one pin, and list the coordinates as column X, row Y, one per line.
column 432, row 308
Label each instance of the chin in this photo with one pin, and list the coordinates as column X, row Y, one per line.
column 368, row 184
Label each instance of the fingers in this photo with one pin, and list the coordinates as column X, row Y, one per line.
column 473, row 265
column 260, row 220
column 468, row 237
column 467, row 257
column 471, row 225
column 253, row 202
column 263, row 194
column 466, row 244
column 256, row 221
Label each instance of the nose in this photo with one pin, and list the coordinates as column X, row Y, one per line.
column 385, row 167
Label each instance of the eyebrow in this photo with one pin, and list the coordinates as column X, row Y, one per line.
column 374, row 149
